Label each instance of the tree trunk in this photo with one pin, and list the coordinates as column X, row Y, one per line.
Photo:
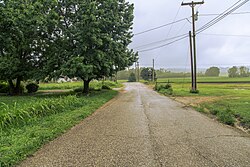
column 86, row 86
column 12, row 87
column 15, row 89
column 18, row 90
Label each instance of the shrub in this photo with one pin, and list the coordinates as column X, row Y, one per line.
column 4, row 87
column 160, row 87
column 168, row 85
column 164, row 89
column 132, row 78
column 32, row 87
column 106, row 87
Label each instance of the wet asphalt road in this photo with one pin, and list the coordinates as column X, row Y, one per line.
column 143, row 128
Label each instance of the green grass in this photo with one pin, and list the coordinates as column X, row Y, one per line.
column 74, row 85
column 23, row 136
column 59, row 86
column 232, row 102
column 204, row 79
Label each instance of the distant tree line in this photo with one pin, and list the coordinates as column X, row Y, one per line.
column 146, row 73
column 235, row 71
column 84, row 39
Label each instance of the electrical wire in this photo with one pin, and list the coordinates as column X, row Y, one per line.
column 155, row 28
column 227, row 35
column 213, row 14
column 170, row 29
column 164, row 44
column 160, row 41
column 221, row 16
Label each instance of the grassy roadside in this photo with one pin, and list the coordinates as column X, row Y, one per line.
column 229, row 103
column 74, row 85
column 21, row 139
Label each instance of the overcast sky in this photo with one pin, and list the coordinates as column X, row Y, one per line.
column 212, row 50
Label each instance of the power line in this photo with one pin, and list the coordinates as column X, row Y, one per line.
column 168, row 24
column 163, row 45
column 160, row 41
column 227, row 35
column 171, row 26
column 213, row 14
column 221, row 16
column 203, row 28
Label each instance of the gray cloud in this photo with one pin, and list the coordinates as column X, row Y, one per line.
column 212, row 50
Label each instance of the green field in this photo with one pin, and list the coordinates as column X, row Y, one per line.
column 229, row 102
column 204, row 79
column 27, row 122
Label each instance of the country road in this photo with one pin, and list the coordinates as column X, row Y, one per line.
column 143, row 128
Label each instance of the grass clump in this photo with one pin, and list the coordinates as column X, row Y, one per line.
column 226, row 117
column 194, row 91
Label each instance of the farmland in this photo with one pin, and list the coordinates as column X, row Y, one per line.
column 229, row 102
column 29, row 121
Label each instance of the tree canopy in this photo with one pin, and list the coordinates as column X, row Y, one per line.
column 85, row 39
column 25, row 32
column 233, row 72
column 212, row 72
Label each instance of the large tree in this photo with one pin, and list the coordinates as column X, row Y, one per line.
column 147, row 74
column 98, row 33
column 26, row 28
column 212, row 72
column 233, row 72
column 244, row 71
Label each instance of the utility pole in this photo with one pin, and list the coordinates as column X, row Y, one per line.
column 153, row 72
column 138, row 71
column 192, row 63
column 135, row 71
column 192, row 5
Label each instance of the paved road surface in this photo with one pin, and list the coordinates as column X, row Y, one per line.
column 142, row 128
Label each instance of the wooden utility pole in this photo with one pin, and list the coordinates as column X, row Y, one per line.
column 153, row 72
column 138, row 71
column 192, row 5
column 192, row 63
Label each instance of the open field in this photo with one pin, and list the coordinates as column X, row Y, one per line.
column 205, row 79
column 27, row 122
column 229, row 102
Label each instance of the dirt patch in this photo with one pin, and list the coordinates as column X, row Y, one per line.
column 194, row 101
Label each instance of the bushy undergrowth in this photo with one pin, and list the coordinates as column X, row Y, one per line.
column 164, row 89
column 18, row 113
column 32, row 87
column 4, row 87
